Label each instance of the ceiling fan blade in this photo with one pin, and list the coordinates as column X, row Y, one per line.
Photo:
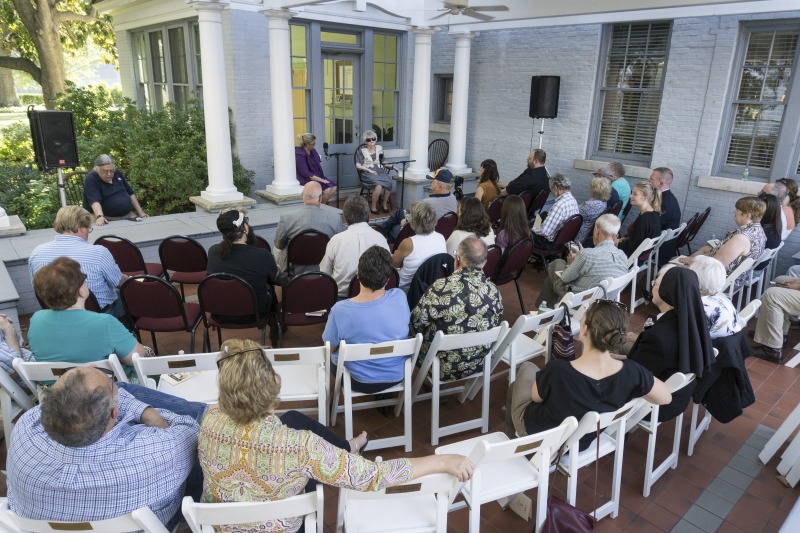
column 441, row 15
column 480, row 16
column 489, row 8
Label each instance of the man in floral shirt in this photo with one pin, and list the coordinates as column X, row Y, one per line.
column 464, row 302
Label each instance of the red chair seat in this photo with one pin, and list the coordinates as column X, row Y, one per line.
column 188, row 277
column 172, row 323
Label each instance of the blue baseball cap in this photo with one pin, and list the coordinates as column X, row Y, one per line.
column 443, row 175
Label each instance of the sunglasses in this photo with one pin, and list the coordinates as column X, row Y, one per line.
column 371, row 139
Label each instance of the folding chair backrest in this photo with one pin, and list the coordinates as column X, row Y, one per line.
column 307, row 248
column 370, row 352
column 701, row 219
column 13, row 402
column 616, row 208
column 142, row 519
column 683, row 236
column 227, row 295
column 169, row 364
column 182, row 254
column 15, row 392
column 261, row 242
column 543, row 444
column 355, row 161
column 456, row 341
column 355, row 286
column 613, row 287
column 313, row 355
column 201, row 516
column 127, row 256
column 34, row 373
column 528, row 323
column 674, row 383
column 730, row 281
column 646, row 246
column 749, row 311
column 527, row 199
column 579, row 302
column 446, row 224
column 73, row 187
column 589, row 421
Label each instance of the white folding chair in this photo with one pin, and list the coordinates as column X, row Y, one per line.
column 34, row 373
column 749, row 311
column 666, row 236
column 612, row 439
column 646, row 246
column 516, row 347
column 730, row 282
column 351, row 353
column 198, row 388
column 697, row 427
column 613, row 287
column 756, row 277
column 304, row 376
column 578, row 303
column 502, row 470
column 420, row 505
column 430, row 370
column 13, row 401
column 202, row 517
column 141, row 519
column 652, row 474
column 789, row 466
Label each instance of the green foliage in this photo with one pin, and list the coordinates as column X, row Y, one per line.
column 162, row 153
column 31, row 99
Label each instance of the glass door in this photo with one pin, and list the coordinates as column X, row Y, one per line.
column 341, row 104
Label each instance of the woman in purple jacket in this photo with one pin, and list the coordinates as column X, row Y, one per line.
column 309, row 167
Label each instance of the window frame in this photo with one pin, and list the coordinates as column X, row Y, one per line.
column 786, row 157
column 442, row 82
column 191, row 56
column 594, row 151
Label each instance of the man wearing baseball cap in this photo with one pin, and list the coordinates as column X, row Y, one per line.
column 439, row 197
column 620, row 188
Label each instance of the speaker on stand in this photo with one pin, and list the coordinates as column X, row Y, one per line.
column 544, row 100
column 54, row 146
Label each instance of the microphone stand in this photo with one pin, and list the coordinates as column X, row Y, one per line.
column 403, row 190
column 337, row 155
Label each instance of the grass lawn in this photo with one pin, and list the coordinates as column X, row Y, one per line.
column 9, row 115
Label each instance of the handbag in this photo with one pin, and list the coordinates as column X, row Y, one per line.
column 563, row 345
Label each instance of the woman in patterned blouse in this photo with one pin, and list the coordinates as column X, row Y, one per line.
column 249, row 454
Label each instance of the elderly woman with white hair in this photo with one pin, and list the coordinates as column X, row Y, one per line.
column 369, row 162
column 723, row 319
column 107, row 195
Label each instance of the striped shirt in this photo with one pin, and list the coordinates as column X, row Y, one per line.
column 102, row 273
column 564, row 207
column 593, row 265
column 131, row 466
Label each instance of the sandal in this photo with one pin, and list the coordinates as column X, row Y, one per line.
column 362, row 447
column 386, row 209
column 374, row 211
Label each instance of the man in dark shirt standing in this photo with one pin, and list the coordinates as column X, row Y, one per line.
column 107, row 195
column 534, row 179
column 661, row 179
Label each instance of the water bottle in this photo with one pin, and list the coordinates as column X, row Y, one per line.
column 746, row 174
column 543, row 308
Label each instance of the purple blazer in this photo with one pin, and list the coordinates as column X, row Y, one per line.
column 310, row 165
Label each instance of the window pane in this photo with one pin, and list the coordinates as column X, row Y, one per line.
column 177, row 49
column 299, row 126
column 182, row 96
column 198, row 63
column 377, row 103
column 391, row 76
column 299, row 102
column 157, row 53
column 391, row 48
column 380, row 47
column 299, row 72
column 338, row 37
column 377, row 76
column 388, row 103
column 298, row 40
column 384, row 84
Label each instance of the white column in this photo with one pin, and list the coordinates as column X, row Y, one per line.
column 421, row 102
column 458, row 119
column 215, row 103
column 284, row 181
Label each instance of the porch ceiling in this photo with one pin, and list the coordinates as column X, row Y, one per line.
column 528, row 13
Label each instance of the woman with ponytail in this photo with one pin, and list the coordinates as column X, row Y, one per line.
column 596, row 381
column 647, row 225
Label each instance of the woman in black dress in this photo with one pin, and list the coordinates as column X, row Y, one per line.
column 648, row 224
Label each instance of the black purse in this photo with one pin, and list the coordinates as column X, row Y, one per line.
column 563, row 345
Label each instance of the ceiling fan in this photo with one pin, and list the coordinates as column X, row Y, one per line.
column 461, row 7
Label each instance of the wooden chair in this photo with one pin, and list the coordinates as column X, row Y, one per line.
column 366, row 186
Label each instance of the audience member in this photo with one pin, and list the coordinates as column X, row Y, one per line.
column 562, row 209
column 464, row 302
column 344, row 249
column 791, row 204
column 648, row 224
column 413, row 251
column 778, row 303
column 294, row 452
column 440, row 198
column 538, row 401
column 678, row 341
column 107, row 194
column 514, row 224
column 94, row 450
column 375, row 315
column 534, row 178
column 780, row 190
column 314, row 216
column 472, row 220
column 619, row 185
column 73, row 225
column 599, row 192
column 588, row 267
column 238, row 255
column 488, row 186
column 721, row 316
column 661, row 179
column 11, row 348
column 771, row 222
column 309, row 166
column 67, row 331
column 747, row 240
column 369, row 161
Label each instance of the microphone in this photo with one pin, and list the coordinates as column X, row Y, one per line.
column 325, row 149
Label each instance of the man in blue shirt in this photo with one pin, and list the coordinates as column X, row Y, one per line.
column 107, row 195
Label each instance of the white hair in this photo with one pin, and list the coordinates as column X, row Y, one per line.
column 710, row 274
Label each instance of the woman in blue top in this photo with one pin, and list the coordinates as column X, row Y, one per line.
column 374, row 315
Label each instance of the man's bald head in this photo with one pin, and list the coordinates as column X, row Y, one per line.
column 472, row 252
column 76, row 411
column 777, row 188
column 311, row 193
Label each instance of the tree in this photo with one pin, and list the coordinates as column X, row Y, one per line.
column 39, row 32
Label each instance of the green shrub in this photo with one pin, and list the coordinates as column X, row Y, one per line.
column 16, row 145
column 29, row 194
column 31, row 99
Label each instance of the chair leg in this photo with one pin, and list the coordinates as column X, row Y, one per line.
column 519, row 293
column 206, row 339
column 183, row 296
column 155, row 344
column 219, row 337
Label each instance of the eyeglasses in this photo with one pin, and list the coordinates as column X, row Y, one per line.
column 371, row 139
column 228, row 355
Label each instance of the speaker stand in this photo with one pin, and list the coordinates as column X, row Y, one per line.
column 541, row 134
column 61, row 186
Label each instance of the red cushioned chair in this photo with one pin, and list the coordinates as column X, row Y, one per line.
column 128, row 256
column 307, row 299
column 185, row 258
column 527, row 199
column 405, row 233
column 261, row 242
column 495, row 209
column 567, row 232
column 493, row 254
column 511, row 265
column 307, row 248
column 697, row 225
column 538, row 203
column 447, row 224
column 355, row 286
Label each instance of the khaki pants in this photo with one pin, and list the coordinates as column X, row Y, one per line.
column 553, row 288
column 777, row 304
column 518, row 399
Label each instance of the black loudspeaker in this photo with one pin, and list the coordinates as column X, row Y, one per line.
column 53, row 134
column 544, row 96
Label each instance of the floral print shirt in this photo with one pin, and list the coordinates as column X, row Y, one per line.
column 464, row 302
